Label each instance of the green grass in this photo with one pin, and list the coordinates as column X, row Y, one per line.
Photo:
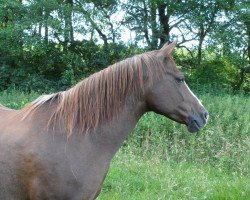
column 223, row 144
column 133, row 177
column 16, row 99
column 161, row 160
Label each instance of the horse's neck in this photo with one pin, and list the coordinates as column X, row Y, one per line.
column 110, row 136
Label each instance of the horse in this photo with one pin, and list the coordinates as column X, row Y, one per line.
column 60, row 146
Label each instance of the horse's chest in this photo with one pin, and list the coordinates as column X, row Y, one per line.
column 66, row 180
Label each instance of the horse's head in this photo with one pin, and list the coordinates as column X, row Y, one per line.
column 171, row 97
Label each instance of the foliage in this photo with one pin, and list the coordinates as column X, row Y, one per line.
column 51, row 67
column 50, row 45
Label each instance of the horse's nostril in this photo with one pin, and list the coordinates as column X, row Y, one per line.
column 196, row 123
column 205, row 114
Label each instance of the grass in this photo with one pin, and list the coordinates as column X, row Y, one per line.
column 161, row 160
column 133, row 177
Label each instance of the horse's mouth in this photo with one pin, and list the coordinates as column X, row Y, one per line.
column 195, row 124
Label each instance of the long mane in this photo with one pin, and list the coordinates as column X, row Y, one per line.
column 101, row 96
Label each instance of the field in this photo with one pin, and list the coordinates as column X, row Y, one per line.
column 161, row 160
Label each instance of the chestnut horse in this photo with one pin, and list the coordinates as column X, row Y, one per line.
column 59, row 147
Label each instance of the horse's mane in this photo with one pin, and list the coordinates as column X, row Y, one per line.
column 101, row 96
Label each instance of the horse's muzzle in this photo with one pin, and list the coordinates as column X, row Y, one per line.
column 197, row 121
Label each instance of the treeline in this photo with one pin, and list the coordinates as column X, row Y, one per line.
column 50, row 45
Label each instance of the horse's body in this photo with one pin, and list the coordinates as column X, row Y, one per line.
column 50, row 166
column 47, row 153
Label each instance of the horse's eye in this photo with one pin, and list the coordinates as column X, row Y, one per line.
column 180, row 79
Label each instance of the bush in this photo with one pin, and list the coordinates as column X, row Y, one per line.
column 51, row 67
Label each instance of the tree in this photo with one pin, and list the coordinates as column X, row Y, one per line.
column 63, row 39
column 154, row 20
column 202, row 20
column 242, row 15
column 98, row 18
column 11, row 32
column 232, row 36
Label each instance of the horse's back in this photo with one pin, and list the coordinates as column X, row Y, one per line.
column 6, row 117
column 4, row 108
column 5, row 111
column 10, row 186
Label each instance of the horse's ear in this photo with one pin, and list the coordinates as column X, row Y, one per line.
column 167, row 48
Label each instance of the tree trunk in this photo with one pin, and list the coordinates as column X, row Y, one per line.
column 40, row 24
column 103, row 36
column 68, row 29
column 201, row 40
column 145, row 23
column 46, row 28
column 164, row 23
column 153, row 23
column 247, row 23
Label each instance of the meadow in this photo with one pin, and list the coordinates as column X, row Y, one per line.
column 161, row 160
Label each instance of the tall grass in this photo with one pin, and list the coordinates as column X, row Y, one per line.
column 161, row 160
column 16, row 99
column 140, row 178
column 223, row 143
